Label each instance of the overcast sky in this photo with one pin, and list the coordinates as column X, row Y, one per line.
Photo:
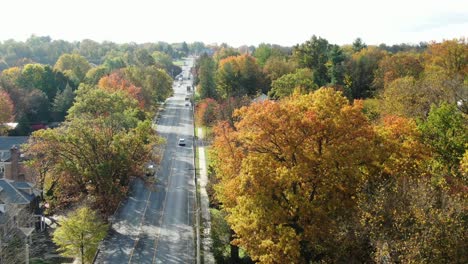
column 284, row 22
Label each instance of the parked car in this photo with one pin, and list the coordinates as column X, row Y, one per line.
column 181, row 142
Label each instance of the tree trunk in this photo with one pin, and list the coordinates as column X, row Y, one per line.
column 234, row 249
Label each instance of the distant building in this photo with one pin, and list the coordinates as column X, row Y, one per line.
column 11, row 160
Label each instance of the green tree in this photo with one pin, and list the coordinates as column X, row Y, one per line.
column 358, row 45
column 313, row 54
column 156, row 84
column 62, row 102
column 95, row 74
column 74, row 66
column 301, row 81
column 79, row 234
column 143, row 58
column 446, row 131
column 206, row 77
column 93, row 154
column 276, row 67
column 360, row 72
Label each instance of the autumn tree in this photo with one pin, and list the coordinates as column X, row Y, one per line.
column 287, row 172
column 74, row 66
column 96, row 151
column 207, row 112
column 223, row 52
column 156, row 84
column 6, row 110
column 276, row 67
column 239, row 76
column 449, row 56
column 400, row 204
column 399, row 65
column 79, row 235
column 117, row 81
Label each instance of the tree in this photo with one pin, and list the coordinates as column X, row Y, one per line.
column 164, row 61
column 405, row 214
column 276, row 67
column 239, row 76
column 155, row 83
column 96, row 151
column 6, row 110
column 143, row 58
column 313, row 54
column 399, row 65
column 6, row 107
column 360, row 70
column 95, row 74
column 287, row 172
column 446, row 131
column 265, row 51
column 206, row 77
column 301, row 81
column 224, row 52
column 412, row 97
column 74, row 66
column 116, row 81
column 207, row 112
column 79, row 235
column 62, row 102
column 358, row 45
column 450, row 56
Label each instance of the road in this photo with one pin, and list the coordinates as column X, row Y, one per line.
column 156, row 223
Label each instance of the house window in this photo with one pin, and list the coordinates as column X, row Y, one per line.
column 2, row 169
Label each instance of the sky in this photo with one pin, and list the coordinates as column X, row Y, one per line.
column 240, row 22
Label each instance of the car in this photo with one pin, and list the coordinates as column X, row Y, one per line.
column 181, row 142
column 150, row 170
column 187, row 104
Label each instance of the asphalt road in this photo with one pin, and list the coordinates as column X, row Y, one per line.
column 156, row 223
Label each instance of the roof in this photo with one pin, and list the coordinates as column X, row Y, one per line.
column 6, row 143
column 262, row 97
column 10, row 194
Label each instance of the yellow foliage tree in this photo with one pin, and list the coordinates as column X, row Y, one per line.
column 287, row 172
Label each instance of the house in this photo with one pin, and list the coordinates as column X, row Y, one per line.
column 18, row 202
column 11, row 161
column 18, row 216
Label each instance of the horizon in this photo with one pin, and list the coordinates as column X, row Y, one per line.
column 237, row 23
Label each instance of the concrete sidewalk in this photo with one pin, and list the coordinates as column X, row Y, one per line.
column 204, row 202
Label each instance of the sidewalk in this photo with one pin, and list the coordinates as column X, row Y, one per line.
column 204, row 202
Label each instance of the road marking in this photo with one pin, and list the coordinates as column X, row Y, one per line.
column 139, row 228
column 156, row 240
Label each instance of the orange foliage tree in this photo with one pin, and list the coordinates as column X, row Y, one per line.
column 287, row 172
column 116, row 81
column 207, row 112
